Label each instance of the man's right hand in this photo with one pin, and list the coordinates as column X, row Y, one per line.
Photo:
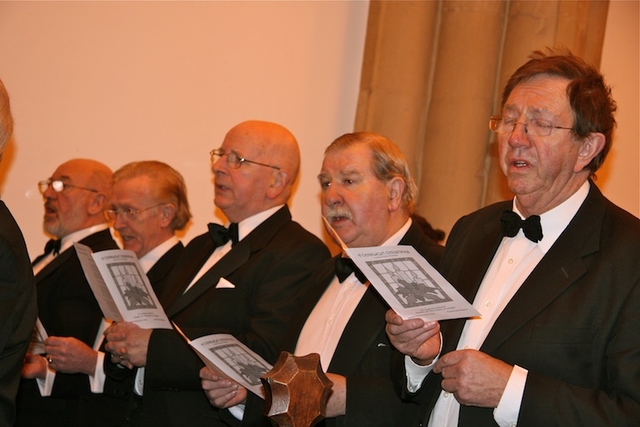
column 221, row 392
column 414, row 337
column 34, row 366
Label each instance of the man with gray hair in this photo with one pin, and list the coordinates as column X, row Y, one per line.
column 17, row 290
column 367, row 196
column 148, row 205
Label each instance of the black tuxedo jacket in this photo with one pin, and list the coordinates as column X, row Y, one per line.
column 66, row 308
column 159, row 274
column 114, row 406
column 363, row 354
column 250, row 293
column 17, row 311
column 573, row 324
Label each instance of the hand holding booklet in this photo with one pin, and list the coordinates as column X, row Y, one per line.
column 409, row 284
column 225, row 355
column 121, row 287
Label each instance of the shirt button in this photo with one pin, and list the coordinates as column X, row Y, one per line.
column 445, row 394
column 329, row 321
column 487, row 304
column 510, row 261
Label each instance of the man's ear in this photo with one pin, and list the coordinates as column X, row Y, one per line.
column 167, row 213
column 396, row 190
column 98, row 204
column 590, row 147
column 279, row 182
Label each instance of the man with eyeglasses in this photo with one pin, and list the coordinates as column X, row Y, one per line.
column 559, row 293
column 17, row 290
column 367, row 196
column 244, row 279
column 75, row 197
column 148, row 206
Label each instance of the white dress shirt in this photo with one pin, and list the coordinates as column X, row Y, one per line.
column 512, row 263
column 326, row 322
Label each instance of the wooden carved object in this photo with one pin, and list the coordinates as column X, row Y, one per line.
column 296, row 391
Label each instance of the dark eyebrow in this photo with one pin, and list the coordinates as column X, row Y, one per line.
column 531, row 110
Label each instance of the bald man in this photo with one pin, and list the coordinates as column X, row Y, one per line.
column 247, row 287
column 75, row 198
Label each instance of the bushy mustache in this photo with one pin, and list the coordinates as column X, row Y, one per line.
column 336, row 212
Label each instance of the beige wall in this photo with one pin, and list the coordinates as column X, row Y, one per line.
column 619, row 177
column 123, row 81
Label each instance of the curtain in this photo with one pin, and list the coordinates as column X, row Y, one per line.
column 433, row 73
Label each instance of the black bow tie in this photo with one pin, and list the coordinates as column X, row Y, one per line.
column 53, row 245
column 511, row 223
column 221, row 235
column 346, row 266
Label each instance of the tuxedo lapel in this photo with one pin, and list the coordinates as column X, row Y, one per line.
column 55, row 264
column 193, row 257
column 234, row 259
column 360, row 334
column 162, row 268
column 471, row 277
column 466, row 273
column 558, row 269
column 225, row 266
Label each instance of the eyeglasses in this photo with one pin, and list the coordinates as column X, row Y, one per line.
column 128, row 213
column 234, row 160
column 59, row 186
column 501, row 124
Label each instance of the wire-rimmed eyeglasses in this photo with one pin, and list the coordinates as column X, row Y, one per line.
column 234, row 160
column 59, row 186
column 501, row 124
column 128, row 213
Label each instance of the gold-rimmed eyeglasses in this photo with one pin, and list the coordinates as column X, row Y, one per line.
column 534, row 127
column 234, row 160
column 127, row 213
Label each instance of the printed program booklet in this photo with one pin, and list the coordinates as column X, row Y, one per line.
column 227, row 356
column 409, row 284
column 121, row 287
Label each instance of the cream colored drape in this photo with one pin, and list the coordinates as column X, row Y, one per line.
column 433, row 73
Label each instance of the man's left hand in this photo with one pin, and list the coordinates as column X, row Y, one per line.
column 474, row 378
column 70, row 355
column 128, row 344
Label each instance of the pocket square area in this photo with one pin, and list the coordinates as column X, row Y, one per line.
column 224, row 283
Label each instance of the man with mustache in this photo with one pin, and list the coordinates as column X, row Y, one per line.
column 367, row 197
column 75, row 198
column 245, row 280
column 17, row 290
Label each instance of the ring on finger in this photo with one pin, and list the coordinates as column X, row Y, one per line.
column 49, row 359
